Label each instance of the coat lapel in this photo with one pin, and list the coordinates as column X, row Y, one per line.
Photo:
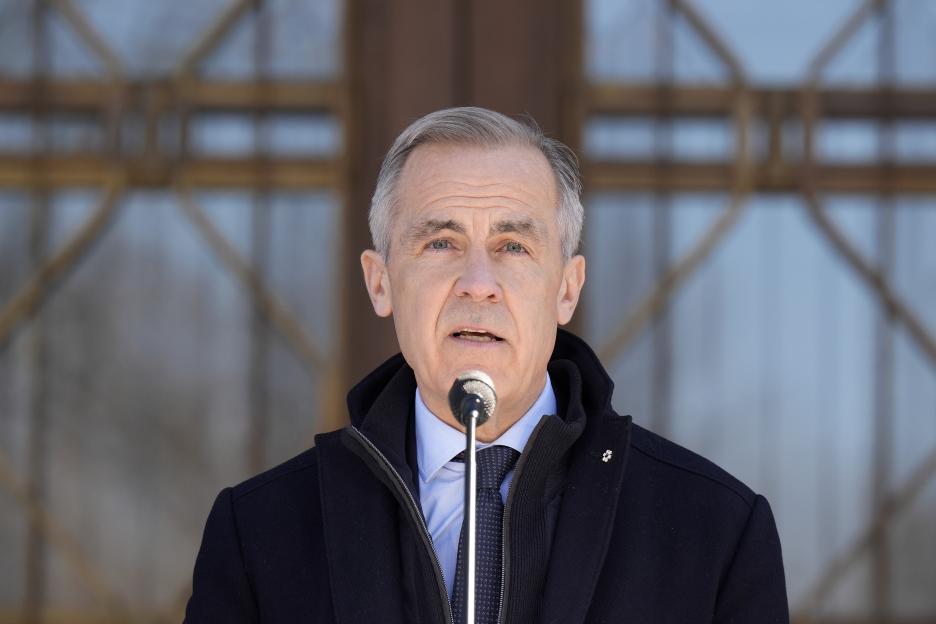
column 586, row 518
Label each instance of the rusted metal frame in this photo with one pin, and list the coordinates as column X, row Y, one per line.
column 631, row 99
column 715, row 176
column 260, row 231
column 211, row 37
column 273, row 308
column 715, row 43
column 336, row 382
column 93, row 95
column 899, row 500
column 79, row 170
column 894, row 308
column 37, row 473
column 656, row 301
column 28, row 300
column 838, row 40
column 882, row 427
column 661, row 375
column 65, row 544
column 36, row 548
column 880, row 583
column 115, row 91
column 640, row 99
column 82, row 27
column 84, row 170
column 893, row 305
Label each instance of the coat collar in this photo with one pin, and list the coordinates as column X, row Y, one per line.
column 392, row 384
column 380, row 407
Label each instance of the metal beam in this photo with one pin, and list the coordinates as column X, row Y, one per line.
column 601, row 98
column 273, row 309
column 93, row 170
column 212, row 36
column 93, row 95
column 90, row 37
column 643, row 100
column 766, row 178
column 67, row 546
column 656, row 301
column 27, row 301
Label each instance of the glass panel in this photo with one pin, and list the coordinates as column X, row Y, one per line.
column 858, row 62
column 611, row 138
column 75, row 133
column 915, row 141
column 151, row 38
column 620, row 39
column 702, row 139
column 305, row 42
column 147, row 358
column 761, row 34
column 16, row 133
column 773, row 359
column 848, row 141
column 915, row 47
column 68, row 54
column 15, row 357
column 16, row 38
column 230, row 134
column 628, row 41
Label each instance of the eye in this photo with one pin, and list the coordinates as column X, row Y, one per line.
column 440, row 244
column 514, row 247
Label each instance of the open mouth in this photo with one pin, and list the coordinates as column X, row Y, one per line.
column 475, row 335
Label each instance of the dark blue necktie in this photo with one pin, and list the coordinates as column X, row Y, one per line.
column 493, row 464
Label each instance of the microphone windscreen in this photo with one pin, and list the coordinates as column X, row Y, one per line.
column 475, row 383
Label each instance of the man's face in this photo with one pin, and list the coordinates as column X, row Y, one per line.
column 475, row 277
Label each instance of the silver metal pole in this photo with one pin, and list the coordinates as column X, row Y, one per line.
column 471, row 495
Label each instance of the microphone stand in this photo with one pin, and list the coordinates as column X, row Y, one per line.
column 471, row 409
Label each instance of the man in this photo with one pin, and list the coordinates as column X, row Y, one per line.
column 476, row 219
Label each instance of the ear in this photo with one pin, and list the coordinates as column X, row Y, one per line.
column 573, row 278
column 377, row 281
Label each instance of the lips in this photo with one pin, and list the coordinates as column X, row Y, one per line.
column 476, row 335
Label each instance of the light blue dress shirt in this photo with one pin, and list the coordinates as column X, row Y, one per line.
column 441, row 480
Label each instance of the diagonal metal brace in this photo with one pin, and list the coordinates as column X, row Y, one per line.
column 30, row 298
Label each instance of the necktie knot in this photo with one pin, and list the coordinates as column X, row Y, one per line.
column 493, row 464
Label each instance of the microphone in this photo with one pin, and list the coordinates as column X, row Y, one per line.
column 472, row 391
column 472, row 400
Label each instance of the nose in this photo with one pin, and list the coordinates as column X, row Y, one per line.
column 478, row 279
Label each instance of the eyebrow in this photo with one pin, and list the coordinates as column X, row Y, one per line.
column 526, row 227
column 422, row 230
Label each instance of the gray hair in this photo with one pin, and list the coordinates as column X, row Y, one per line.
column 485, row 128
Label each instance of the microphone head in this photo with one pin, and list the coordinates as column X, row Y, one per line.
column 473, row 383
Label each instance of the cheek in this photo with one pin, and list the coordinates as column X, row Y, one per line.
column 419, row 296
column 533, row 293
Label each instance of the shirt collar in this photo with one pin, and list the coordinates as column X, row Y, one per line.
column 437, row 442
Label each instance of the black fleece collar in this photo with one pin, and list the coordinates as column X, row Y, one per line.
column 390, row 389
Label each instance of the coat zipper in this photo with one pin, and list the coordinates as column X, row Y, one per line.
column 505, row 551
column 416, row 515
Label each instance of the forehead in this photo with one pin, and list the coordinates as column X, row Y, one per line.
column 437, row 177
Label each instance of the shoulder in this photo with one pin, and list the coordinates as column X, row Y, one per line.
column 681, row 471
column 294, row 477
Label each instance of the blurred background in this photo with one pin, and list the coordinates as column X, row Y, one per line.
column 183, row 196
